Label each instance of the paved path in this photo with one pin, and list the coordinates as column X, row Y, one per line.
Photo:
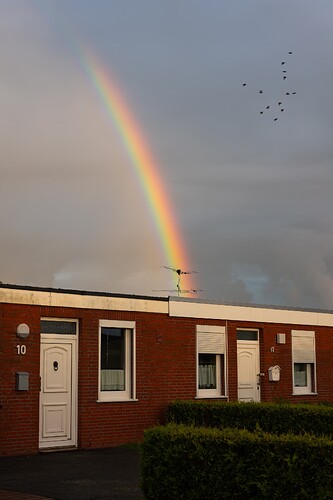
column 15, row 495
column 112, row 473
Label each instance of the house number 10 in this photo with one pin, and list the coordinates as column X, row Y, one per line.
column 21, row 349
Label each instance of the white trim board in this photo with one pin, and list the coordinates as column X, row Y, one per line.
column 262, row 314
column 174, row 306
column 86, row 301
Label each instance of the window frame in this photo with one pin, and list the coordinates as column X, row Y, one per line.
column 221, row 368
column 311, row 387
column 60, row 320
column 129, row 394
column 304, row 389
column 248, row 331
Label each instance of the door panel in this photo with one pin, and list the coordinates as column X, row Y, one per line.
column 248, row 370
column 55, row 418
column 57, row 424
column 57, row 369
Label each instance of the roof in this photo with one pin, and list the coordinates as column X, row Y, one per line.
column 79, row 292
column 172, row 306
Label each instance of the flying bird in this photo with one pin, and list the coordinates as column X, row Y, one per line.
column 284, row 77
column 275, row 119
column 267, row 107
column 294, row 93
column 289, row 52
column 287, row 93
column 244, row 84
column 279, row 103
column 282, row 109
column 260, row 91
column 283, row 62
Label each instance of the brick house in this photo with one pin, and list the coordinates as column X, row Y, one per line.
column 90, row 370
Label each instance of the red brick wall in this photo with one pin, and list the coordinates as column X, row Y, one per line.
column 166, row 370
column 324, row 362
column 272, row 354
column 19, row 412
column 162, row 374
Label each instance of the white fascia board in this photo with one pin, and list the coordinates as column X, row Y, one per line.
column 59, row 299
column 262, row 314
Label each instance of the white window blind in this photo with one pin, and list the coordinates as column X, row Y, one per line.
column 210, row 340
column 303, row 345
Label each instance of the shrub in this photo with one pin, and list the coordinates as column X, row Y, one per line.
column 269, row 417
column 187, row 462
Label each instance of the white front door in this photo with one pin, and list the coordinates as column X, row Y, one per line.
column 248, row 371
column 57, row 423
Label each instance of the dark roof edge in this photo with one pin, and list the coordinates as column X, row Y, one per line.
column 81, row 292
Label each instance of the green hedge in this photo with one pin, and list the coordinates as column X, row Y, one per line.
column 185, row 462
column 269, row 417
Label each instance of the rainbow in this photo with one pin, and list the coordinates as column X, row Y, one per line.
column 144, row 166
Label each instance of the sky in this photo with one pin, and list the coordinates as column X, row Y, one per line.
column 251, row 195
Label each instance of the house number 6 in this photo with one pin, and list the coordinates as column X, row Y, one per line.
column 21, row 349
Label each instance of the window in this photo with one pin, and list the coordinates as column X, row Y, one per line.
column 58, row 326
column 116, row 361
column 303, row 354
column 248, row 335
column 211, row 364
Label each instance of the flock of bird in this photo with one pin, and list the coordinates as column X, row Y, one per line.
column 280, row 107
column 279, row 103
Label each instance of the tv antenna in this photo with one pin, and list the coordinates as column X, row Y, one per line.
column 179, row 290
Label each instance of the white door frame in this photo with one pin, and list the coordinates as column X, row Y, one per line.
column 59, row 340
column 251, row 345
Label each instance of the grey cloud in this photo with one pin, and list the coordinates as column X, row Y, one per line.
column 252, row 197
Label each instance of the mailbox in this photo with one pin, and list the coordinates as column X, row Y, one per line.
column 280, row 338
column 274, row 373
column 22, row 381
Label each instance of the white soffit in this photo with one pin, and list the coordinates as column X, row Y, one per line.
column 59, row 299
column 188, row 309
